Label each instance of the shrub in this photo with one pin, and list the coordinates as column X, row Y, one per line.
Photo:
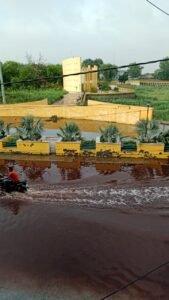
column 109, row 134
column 104, row 86
column 116, row 89
column 53, row 118
column 70, row 132
column 147, row 131
column 31, row 129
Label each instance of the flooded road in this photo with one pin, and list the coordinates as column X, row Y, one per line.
column 85, row 229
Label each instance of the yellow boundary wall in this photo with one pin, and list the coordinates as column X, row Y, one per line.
column 143, row 150
column 99, row 111
column 73, row 148
column 25, row 147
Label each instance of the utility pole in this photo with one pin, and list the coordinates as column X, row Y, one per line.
column 148, row 106
column 2, row 85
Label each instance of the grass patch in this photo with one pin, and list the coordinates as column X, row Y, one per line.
column 30, row 95
column 156, row 97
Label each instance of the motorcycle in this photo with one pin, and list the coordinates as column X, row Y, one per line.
column 20, row 186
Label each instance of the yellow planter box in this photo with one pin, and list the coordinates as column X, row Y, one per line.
column 116, row 147
column 151, row 148
column 68, row 148
column 32, row 147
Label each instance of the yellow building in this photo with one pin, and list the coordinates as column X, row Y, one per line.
column 78, row 83
column 71, row 66
column 90, row 79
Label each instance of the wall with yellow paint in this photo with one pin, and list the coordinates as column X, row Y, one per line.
column 32, row 147
column 70, row 66
column 152, row 148
column 128, row 109
column 124, row 114
column 39, row 102
column 69, row 146
column 29, row 147
column 116, row 147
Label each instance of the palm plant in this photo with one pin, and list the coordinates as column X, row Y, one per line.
column 163, row 137
column 109, row 134
column 4, row 130
column 70, row 132
column 147, row 131
column 31, row 128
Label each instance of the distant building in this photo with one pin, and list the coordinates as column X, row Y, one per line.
column 147, row 76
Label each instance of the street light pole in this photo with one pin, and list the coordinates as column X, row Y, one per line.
column 2, row 85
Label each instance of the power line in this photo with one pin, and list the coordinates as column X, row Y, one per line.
column 135, row 280
column 86, row 72
column 163, row 11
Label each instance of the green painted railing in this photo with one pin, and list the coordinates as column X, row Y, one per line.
column 166, row 148
column 9, row 144
column 88, row 145
column 128, row 147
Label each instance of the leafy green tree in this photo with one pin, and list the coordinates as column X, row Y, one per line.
column 55, row 70
column 134, row 71
column 31, row 128
column 123, row 78
column 109, row 134
column 98, row 62
column 109, row 74
column 163, row 72
column 92, row 62
column 70, row 132
column 11, row 69
column 88, row 62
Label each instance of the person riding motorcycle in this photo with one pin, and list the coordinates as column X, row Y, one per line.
column 12, row 178
column 13, row 175
column 11, row 182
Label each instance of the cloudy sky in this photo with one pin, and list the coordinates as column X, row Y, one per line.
column 118, row 31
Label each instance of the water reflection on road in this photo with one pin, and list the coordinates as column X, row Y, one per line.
column 84, row 229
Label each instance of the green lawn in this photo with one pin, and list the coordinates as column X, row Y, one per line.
column 28, row 95
column 157, row 97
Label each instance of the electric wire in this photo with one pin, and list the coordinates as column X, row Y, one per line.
column 163, row 11
column 85, row 72
column 115, row 292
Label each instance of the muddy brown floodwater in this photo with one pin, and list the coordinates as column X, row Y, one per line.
column 83, row 230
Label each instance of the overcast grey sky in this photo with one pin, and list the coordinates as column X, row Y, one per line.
column 118, row 31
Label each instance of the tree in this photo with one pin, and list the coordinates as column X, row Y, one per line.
column 163, row 72
column 88, row 62
column 109, row 134
column 123, row 78
column 55, row 70
column 98, row 62
column 70, row 132
column 109, row 74
column 93, row 62
column 11, row 69
column 134, row 71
